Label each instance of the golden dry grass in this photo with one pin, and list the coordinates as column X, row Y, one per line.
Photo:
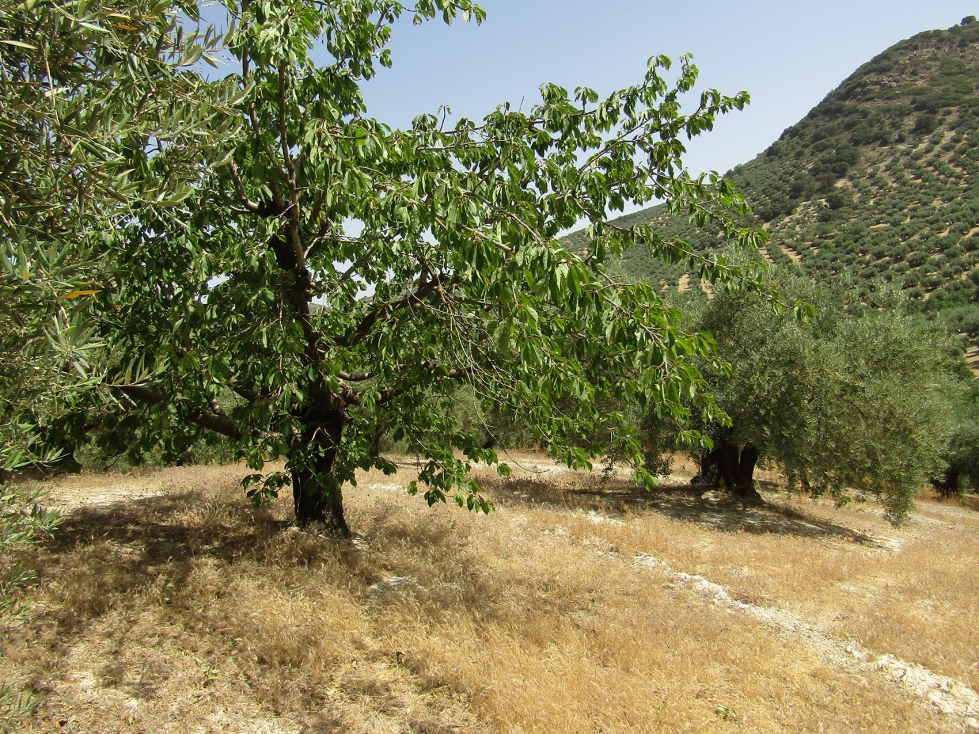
column 911, row 591
column 190, row 612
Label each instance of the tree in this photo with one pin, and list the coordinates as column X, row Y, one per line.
column 962, row 452
column 96, row 102
column 841, row 402
column 82, row 86
column 343, row 278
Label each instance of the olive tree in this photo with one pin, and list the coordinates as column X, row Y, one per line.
column 962, row 452
column 82, row 86
column 340, row 279
column 99, row 113
column 841, row 402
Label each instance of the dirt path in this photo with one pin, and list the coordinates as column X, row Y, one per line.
column 972, row 359
column 944, row 694
column 949, row 696
column 791, row 254
column 98, row 490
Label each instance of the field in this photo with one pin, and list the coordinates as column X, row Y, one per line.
column 167, row 604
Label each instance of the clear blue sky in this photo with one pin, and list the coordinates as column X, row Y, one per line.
column 787, row 53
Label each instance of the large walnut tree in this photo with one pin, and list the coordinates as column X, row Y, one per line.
column 343, row 279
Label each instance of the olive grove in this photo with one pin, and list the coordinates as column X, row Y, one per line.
column 847, row 401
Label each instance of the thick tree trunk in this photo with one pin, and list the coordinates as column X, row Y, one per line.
column 66, row 463
column 316, row 491
column 736, row 469
column 186, row 458
column 745, row 487
column 948, row 485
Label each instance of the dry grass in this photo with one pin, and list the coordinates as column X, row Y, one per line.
column 912, row 591
column 190, row 612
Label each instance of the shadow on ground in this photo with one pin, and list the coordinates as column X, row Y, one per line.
column 704, row 506
column 102, row 554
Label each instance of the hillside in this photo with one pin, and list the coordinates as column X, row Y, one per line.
column 879, row 179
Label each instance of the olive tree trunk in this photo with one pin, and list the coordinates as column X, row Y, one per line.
column 948, row 485
column 733, row 467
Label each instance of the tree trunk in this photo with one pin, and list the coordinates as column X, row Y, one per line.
column 736, row 469
column 316, row 490
column 948, row 485
column 745, row 486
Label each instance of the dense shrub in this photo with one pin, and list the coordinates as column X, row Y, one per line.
column 916, row 259
column 839, row 198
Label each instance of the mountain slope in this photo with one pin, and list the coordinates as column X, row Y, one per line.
column 880, row 179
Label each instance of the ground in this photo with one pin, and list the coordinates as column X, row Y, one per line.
column 167, row 604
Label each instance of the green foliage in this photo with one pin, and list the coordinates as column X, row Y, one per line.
column 455, row 234
column 840, row 402
column 22, row 522
column 962, row 451
column 839, row 198
column 95, row 108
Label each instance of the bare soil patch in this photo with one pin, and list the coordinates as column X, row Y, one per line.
column 188, row 611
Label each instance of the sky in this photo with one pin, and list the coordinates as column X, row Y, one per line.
column 788, row 54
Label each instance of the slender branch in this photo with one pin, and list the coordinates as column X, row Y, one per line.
column 250, row 395
column 349, row 395
column 284, row 143
column 240, row 190
column 390, row 393
column 352, row 270
column 355, row 376
column 352, row 338
column 244, row 53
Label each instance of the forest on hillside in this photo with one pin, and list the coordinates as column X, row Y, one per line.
column 876, row 182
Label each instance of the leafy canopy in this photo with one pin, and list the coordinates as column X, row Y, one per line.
column 96, row 101
column 841, row 403
column 341, row 278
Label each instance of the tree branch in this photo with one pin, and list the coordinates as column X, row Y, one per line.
column 240, row 189
column 390, row 393
column 354, row 337
column 217, row 409
column 219, row 423
column 355, row 376
column 284, row 143
column 250, row 395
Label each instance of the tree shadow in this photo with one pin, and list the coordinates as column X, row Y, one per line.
column 103, row 555
column 713, row 508
column 178, row 558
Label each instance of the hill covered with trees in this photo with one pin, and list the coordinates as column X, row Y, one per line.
column 878, row 181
